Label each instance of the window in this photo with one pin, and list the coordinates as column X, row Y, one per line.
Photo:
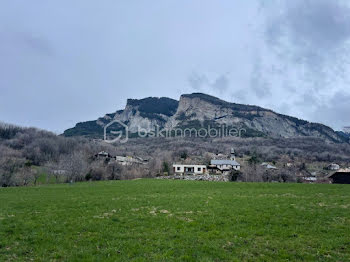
column 199, row 169
column 178, row 168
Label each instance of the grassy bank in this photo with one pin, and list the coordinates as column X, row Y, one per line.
column 160, row 220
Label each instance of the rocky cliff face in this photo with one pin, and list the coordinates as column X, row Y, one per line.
column 206, row 108
column 200, row 110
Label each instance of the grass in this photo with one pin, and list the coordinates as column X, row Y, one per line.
column 164, row 220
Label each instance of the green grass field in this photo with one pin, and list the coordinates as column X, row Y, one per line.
column 164, row 220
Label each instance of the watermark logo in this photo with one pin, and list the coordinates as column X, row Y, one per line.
column 208, row 132
column 117, row 131
column 117, row 136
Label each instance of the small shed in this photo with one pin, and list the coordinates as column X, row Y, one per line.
column 342, row 176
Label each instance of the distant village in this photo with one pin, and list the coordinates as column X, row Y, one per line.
column 227, row 168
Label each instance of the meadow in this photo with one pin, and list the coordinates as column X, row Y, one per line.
column 164, row 220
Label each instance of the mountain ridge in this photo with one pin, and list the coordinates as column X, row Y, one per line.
column 198, row 109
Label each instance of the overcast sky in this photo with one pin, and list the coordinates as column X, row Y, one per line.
column 65, row 61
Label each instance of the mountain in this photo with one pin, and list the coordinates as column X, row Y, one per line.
column 200, row 110
column 345, row 135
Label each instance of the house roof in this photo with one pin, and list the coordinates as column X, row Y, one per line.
column 224, row 162
column 271, row 167
column 268, row 166
column 345, row 171
column 103, row 153
column 190, row 165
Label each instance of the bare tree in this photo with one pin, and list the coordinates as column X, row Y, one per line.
column 75, row 166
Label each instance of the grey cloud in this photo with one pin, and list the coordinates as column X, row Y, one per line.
column 311, row 32
column 197, row 82
column 307, row 99
column 284, row 108
column 221, row 83
column 309, row 40
column 201, row 82
column 84, row 62
column 336, row 112
column 320, row 24
column 241, row 96
column 258, row 83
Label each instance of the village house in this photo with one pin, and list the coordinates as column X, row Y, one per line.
column 128, row 160
column 333, row 167
column 122, row 160
column 103, row 154
column 188, row 169
column 59, row 172
column 307, row 177
column 223, row 166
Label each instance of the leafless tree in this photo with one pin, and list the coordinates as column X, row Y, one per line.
column 75, row 166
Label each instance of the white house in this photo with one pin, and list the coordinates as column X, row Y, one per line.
column 189, row 169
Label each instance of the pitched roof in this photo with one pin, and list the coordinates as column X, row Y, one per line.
column 345, row 171
column 268, row 166
column 271, row 167
column 224, row 162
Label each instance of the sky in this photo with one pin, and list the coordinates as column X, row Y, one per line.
column 63, row 62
